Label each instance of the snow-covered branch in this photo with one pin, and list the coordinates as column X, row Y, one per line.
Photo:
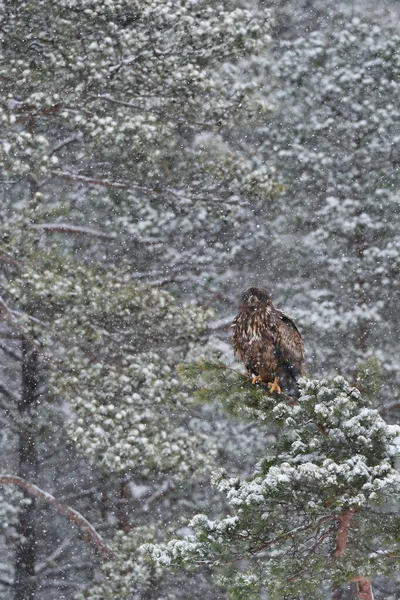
column 9, row 352
column 160, row 113
column 10, row 260
column 116, row 185
column 71, row 229
column 10, row 319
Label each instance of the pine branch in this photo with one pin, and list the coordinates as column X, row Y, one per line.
column 214, row 380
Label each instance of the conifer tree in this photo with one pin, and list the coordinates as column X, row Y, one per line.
column 319, row 507
column 116, row 155
column 87, row 339
column 334, row 137
column 126, row 111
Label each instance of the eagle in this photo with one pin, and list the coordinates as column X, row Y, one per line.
column 268, row 342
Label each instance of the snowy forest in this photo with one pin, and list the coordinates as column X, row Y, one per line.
column 157, row 158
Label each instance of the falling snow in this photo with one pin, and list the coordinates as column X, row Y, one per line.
column 157, row 157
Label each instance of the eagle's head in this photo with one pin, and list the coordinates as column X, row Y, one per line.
column 254, row 297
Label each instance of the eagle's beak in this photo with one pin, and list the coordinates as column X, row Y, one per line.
column 253, row 300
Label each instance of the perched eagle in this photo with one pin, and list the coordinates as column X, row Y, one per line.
column 268, row 342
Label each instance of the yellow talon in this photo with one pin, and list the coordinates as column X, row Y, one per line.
column 274, row 386
column 256, row 379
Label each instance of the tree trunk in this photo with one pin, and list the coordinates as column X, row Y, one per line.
column 25, row 583
column 337, row 593
column 361, row 245
column 364, row 589
column 123, row 498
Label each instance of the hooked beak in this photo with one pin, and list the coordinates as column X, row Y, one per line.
column 253, row 301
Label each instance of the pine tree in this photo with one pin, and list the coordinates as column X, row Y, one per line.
column 116, row 153
column 87, row 335
column 319, row 507
column 125, row 113
column 335, row 140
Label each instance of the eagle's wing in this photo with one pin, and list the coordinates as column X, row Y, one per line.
column 289, row 344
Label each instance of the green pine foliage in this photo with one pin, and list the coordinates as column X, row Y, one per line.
column 333, row 456
column 97, row 328
column 334, row 138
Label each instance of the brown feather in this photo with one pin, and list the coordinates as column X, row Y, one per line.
column 267, row 340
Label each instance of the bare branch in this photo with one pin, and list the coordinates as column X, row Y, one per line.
column 10, row 260
column 70, row 140
column 160, row 491
column 71, row 229
column 8, row 393
column 9, row 317
column 10, row 353
column 223, row 323
column 117, row 185
column 320, row 540
column 77, row 519
column 53, row 556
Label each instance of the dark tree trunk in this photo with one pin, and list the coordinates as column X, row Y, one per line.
column 337, row 593
column 123, row 498
column 361, row 295
column 25, row 583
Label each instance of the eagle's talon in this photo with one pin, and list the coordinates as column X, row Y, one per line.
column 273, row 386
column 256, row 379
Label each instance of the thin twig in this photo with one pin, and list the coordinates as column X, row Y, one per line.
column 117, row 185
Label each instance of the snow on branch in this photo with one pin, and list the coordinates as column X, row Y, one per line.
column 77, row 519
column 117, row 185
column 10, row 260
column 160, row 113
column 10, row 318
column 71, row 229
